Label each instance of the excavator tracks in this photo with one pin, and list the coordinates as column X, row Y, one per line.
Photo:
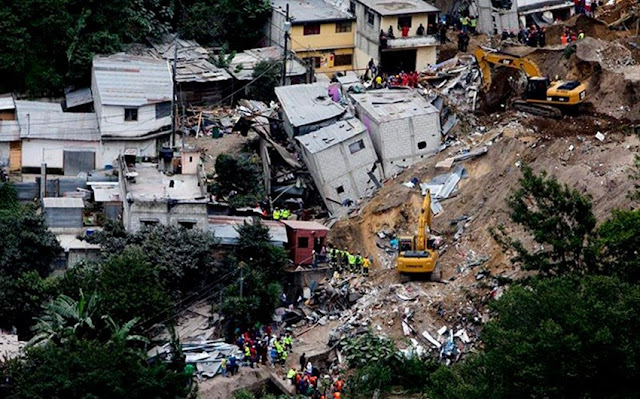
column 547, row 111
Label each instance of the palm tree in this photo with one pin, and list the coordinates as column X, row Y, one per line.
column 123, row 333
column 65, row 317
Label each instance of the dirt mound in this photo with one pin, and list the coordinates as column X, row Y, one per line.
column 591, row 28
column 506, row 84
column 613, row 13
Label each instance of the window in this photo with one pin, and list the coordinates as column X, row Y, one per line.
column 404, row 21
column 311, row 29
column 343, row 60
column 315, row 61
column 163, row 110
column 342, row 27
column 422, row 145
column 187, row 225
column 352, row 7
column 340, row 190
column 130, row 114
column 370, row 16
column 303, row 242
column 357, row 146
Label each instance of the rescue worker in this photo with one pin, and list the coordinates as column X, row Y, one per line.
column 339, row 384
column 284, row 356
column 473, row 23
column 247, row 356
column 285, row 213
column 288, row 341
column 291, row 375
column 464, row 21
column 276, row 214
column 366, row 263
column 352, row 262
column 358, row 262
column 345, row 258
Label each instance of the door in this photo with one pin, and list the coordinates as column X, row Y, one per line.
column 15, row 156
column 396, row 61
column 78, row 161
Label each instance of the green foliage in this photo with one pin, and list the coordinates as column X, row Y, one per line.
column 262, row 266
column 224, row 58
column 239, row 180
column 560, row 337
column 183, row 260
column 26, row 254
column 369, row 348
column 243, row 394
column 618, row 242
column 92, row 369
column 130, row 288
column 268, row 75
column 558, row 218
column 373, row 376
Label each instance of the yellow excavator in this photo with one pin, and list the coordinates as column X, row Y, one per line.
column 417, row 254
column 542, row 97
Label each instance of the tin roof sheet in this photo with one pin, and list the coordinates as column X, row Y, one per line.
column 387, row 105
column 42, row 120
column 331, row 135
column 306, row 104
column 224, row 229
column 302, row 11
column 62, row 202
column 399, row 7
column 305, row 225
column 6, row 102
column 244, row 63
column 128, row 80
column 78, row 97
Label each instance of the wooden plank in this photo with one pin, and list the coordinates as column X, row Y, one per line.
column 15, row 156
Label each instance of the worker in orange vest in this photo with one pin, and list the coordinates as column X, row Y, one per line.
column 563, row 38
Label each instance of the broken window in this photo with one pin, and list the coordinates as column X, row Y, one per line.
column 303, row 242
column 404, row 21
column 340, row 190
column 343, row 60
column 342, row 27
column 357, row 146
column 163, row 110
column 130, row 114
column 311, row 29
column 422, row 145
column 370, row 16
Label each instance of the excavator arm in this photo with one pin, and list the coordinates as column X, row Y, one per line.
column 487, row 59
column 423, row 222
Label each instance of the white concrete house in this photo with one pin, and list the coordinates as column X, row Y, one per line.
column 68, row 143
column 10, row 144
column 132, row 99
column 404, row 127
column 342, row 161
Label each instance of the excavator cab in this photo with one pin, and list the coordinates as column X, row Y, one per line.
column 537, row 88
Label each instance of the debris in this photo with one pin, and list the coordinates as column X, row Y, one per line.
column 445, row 164
column 600, row 136
column 433, row 341
column 442, row 330
column 462, row 334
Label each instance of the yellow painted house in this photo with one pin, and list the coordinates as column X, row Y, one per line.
column 321, row 34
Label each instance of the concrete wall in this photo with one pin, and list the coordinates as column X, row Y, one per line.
column 493, row 22
column 327, row 39
column 110, row 150
column 416, row 20
column 137, row 212
column 396, row 141
column 4, row 153
column 426, row 56
column 367, row 40
column 76, row 255
column 33, row 151
column 336, row 167
column 63, row 217
column 326, row 63
column 112, row 123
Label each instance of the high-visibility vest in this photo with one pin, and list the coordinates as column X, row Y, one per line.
column 581, row 36
column 276, row 214
column 358, row 260
column 474, row 22
column 284, row 355
column 352, row 259
column 285, row 214
column 291, row 373
column 247, row 352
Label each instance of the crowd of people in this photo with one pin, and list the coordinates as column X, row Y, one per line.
column 343, row 260
column 309, row 382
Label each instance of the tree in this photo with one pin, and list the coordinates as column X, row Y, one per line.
column 558, row 218
column 239, row 180
column 26, row 254
column 267, row 76
column 618, row 242
column 559, row 337
column 92, row 369
column 129, row 287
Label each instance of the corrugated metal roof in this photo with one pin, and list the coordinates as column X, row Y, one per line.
column 399, row 7
column 224, row 229
column 307, row 104
column 331, row 135
column 78, row 97
column 134, row 81
column 62, row 202
column 386, row 105
column 533, row 4
column 6, row 102
column 305, row 225
column 42, row 120
column 243, row 64
column 192, row 59
column 301, row 11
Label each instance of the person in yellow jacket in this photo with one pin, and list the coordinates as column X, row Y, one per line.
column 285, row 213
column 352, row 262
column 366, row 263
column 276, row 214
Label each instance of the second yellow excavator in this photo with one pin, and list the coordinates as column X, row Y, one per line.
column 417, row 253
column 542, row 97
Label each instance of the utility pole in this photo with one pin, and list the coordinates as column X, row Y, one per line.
column 287, row 27
column 173, row 97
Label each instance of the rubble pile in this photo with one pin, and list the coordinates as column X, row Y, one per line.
column 458, row 79
column 205, row 355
